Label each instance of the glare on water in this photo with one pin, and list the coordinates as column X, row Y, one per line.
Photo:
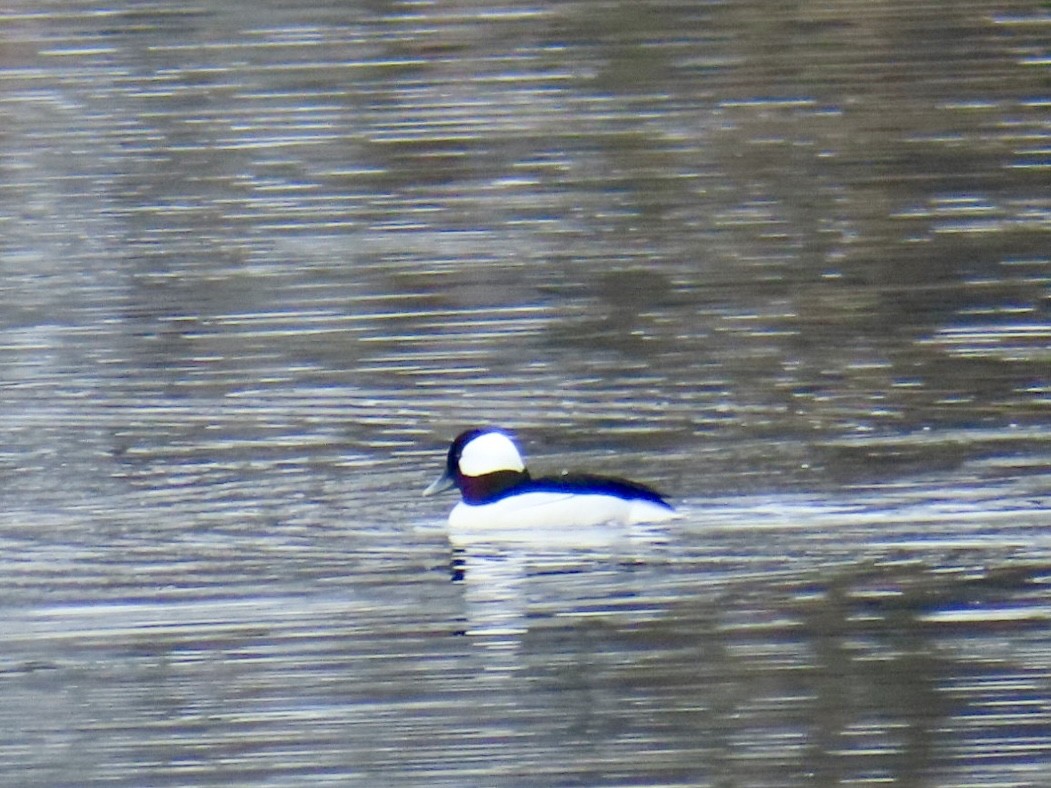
column 788, row 264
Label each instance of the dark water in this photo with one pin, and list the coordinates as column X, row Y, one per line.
column 787, row 261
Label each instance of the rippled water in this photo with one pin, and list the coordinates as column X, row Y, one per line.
column 789, row 263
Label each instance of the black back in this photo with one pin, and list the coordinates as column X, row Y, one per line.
column 583, row 483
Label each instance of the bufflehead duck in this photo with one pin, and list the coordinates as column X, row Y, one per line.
column 498, row 492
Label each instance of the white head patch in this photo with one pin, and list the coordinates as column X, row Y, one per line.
column 488, row 453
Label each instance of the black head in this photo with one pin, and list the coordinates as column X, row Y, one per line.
column 483, row 464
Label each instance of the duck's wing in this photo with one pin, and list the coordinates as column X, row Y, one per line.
column 583, row 483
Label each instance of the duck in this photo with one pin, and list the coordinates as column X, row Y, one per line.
column 497, row 491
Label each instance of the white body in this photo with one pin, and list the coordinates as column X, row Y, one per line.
column 556, row 510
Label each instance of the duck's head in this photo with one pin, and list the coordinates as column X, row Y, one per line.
column 482, row 463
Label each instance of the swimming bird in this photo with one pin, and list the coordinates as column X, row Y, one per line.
column 498, row 492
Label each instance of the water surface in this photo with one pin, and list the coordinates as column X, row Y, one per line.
column 259, row 265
